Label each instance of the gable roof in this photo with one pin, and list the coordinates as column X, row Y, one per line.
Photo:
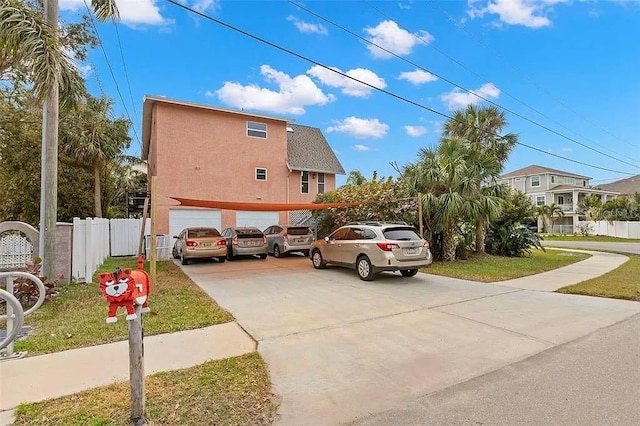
column 307, row 149
column 626, row 186
column 147, row 109
column 538, row 170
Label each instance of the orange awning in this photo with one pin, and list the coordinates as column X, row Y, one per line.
column 259, row 207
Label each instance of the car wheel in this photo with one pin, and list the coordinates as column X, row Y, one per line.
column 230, row 254
column 221, row 259
column 263, row 256
column 408, row 272
column 364, row 268
column 317, row 260
column 183, row 259
column 276, row 251
column 175, row 254
column 305, row 253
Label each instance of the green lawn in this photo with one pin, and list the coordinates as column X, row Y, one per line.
column 590, row 238
column 488, row 268
column 233, row 391
column 76, row 318
column 621, row 283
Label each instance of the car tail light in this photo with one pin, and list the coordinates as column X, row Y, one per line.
column 191, row 243
column 264, row 239
column 222, row 243
column 234, row 240
column 426, row 244
column 285, row 237
column 388, row 246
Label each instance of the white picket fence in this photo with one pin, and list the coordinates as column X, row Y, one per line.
column 96, row 239
column 618, row 229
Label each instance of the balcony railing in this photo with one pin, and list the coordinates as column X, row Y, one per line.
column 566, row 207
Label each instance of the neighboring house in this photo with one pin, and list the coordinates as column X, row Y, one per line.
column 626, row 187
column 547, row 186
column 208, row 153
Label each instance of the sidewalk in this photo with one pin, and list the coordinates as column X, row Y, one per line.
column 48, row 376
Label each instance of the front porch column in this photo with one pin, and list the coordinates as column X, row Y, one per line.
column 575, row 201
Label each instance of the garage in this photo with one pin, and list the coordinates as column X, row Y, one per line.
column 187, row 218
column 260, row 220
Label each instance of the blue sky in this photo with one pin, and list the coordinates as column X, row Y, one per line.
column 568, row 65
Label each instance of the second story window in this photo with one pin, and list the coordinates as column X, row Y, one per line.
column 304, row 180
column 261, row 174
column 553, row 179
column 256, row 130
column 535, row 180
column 540, row 200
column 320, row 183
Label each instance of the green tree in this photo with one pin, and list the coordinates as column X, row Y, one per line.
column 591, row 207
column 96, row 141
column 549, row 213
column 355, row 177
column 479, row 128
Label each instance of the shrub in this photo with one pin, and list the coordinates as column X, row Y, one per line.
column 511, row 241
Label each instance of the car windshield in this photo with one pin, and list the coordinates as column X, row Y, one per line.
column 300, row 230
column 401, row 234
column 203, row 233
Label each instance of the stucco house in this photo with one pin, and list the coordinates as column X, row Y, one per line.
column 546, row 186
column 208, row 153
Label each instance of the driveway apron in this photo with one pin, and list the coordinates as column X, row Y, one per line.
column 339, row 348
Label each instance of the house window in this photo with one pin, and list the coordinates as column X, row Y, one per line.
column 553, row 179
column 320, row 183
column 560, row 199
column 505, row 182
column 256, row 130
column 304, row 180
column 540, row 200
column 535, row 180
column 584, row 183
column 261, row 174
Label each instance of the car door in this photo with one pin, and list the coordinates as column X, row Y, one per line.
column 351, row 245
column 333, row 245
column 272, row 234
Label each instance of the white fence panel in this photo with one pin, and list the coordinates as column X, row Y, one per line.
column 634, row 229
column 90, row 247
column 125, row 236
column 620, row 229
column 164, row 246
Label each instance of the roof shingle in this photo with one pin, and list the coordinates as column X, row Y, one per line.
column 535, row 170
column 307, row 149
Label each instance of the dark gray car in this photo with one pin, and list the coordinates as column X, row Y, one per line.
column 243, row 241
column 284, row 239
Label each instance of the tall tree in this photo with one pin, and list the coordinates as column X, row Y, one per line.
column 96, row 140
column 480, row 129
column 549, row 213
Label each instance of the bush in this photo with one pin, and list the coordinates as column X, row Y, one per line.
column 511, row 241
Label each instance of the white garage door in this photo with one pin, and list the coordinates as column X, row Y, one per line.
column 260, row 220
column 187, row 218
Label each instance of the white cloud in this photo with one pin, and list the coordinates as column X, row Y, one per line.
column 417, row 77
column 529, row 13
column 292, row 96
column 132, row 12
column 204, row 5
column 395, row 39
column 362, row 148
column 458, row 99
column 360, row 128
column 307, row 27
column 349, row 87
column 415, row 131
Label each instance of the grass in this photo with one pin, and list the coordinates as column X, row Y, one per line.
column 621, row 283
column 487, row 268
column 589, row 238
column 76, row 317
column 232, row 391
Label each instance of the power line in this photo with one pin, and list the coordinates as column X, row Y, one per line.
column 522, row 73
column 106, row 57
column 453, row 83
column 126, row 73
column 440, row 51
column 406, row 100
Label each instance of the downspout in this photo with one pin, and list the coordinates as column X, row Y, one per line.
column 288, row 175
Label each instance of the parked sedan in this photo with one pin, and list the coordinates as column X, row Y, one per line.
column 372, row 247
column 245, row 241
column 199, row 243
column 284, row 239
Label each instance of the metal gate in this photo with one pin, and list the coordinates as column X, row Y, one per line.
column 15, row 250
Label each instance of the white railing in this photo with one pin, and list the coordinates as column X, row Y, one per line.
column 566, row 207
column 560, row 229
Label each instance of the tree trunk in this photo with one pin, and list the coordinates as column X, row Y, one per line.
column 97, row 190
column 448, row 245
column 481, row 232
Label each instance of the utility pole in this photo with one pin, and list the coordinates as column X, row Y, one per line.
column 49, row 169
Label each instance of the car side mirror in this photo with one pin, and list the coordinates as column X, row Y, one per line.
column 326, row 239
column 175, row 236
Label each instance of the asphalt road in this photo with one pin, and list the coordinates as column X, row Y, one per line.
column 633, row 248
column 592, row 381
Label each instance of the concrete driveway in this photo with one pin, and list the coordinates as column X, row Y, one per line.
column 633, row 248
column 339, row 349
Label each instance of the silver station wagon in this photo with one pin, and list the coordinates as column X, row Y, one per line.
column 372, row 247
column 284, row 239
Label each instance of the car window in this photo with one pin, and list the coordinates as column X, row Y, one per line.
column 340, row 234
column 268, row 231
column 369, row 235
column 401, row 234
column 356, row 234
column 298, row 230
column 203, row 233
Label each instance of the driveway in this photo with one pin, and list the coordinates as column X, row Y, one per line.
column 633, row 248
column 339, row 349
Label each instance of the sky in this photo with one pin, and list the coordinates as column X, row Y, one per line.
column 571, row 66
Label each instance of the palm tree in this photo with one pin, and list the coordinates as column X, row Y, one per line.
column 591, row 207
column 479, row 128
column 549, row 213
column 25, row 37
column 450, row 190
column 95, row 140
